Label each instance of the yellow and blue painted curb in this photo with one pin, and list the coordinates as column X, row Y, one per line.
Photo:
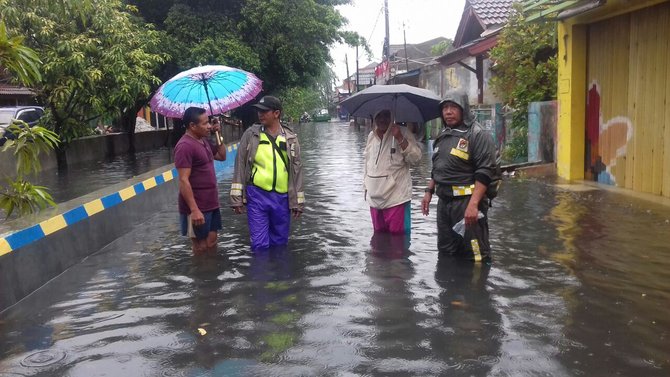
column 23, row 237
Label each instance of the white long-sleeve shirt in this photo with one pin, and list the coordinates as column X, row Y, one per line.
column 387, row 178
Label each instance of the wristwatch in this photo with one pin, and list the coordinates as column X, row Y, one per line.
column 430, row 190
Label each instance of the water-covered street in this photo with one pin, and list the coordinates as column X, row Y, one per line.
column 579, row 286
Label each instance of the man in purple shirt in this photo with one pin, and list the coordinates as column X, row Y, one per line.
column 194, row 157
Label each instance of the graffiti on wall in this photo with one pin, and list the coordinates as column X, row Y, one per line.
column 542, row 120
column 606, row 141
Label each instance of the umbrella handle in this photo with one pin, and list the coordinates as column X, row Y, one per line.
column 219, row 139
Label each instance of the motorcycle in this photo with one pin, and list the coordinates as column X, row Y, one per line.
column 305, row 118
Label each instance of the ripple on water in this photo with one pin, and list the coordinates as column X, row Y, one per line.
column 230, row 275
column 181, row 279
column 573, row 280
column 176, row 296
column 151, row 285
column 44, row 358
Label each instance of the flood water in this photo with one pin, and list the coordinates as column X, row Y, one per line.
column 579, row 286
column 88, row 176
column 85, row 177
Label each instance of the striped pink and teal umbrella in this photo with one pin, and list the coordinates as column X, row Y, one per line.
column 215, row 88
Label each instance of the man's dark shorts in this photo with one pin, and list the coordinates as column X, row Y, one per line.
column 212, row 224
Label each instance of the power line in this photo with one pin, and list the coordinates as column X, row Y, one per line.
column 381, row 10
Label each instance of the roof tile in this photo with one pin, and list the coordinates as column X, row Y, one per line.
column 492, row 12
column 15, row 90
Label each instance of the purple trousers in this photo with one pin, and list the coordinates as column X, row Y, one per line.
column 394, row 220
column 269, row 218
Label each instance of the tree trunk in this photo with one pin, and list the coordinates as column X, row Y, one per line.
column 129, row 121
column 61, row 157
column 61, row 148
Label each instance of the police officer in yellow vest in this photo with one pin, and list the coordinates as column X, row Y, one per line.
column 268, row 177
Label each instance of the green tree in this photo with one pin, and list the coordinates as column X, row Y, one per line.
column 97, row 60
column 17, row 61
column 196, row 40
column 525, row 70
column 297, row 100
column 441, row 48
column 285, row 43
column 291, row 38
column 21, row 64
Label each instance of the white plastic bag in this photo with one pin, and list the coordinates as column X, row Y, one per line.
column 460, row 226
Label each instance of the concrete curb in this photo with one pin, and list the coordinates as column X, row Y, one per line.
column 33, row 255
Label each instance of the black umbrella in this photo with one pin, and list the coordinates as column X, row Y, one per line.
column 407, row 103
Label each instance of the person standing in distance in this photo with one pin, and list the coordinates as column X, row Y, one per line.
column 194, row 157
column 268, row 177
column 389, row 153
column 464, row 164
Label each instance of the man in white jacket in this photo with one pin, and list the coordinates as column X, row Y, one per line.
column 389, row 152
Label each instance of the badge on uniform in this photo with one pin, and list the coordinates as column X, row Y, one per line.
column 462, row 145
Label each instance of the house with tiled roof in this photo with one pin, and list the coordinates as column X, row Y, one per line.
column 11, row 95
column 408, row 60
column 478, row 30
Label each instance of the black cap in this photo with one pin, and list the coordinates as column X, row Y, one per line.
column 268, row 103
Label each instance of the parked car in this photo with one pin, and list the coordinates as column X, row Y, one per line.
column 321, row 116
column 29, row 114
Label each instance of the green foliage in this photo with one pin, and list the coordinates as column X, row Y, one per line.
column 17, row 59
column 297, row 100
column 441, row 48
column 285, row 43
column 28, row 144
column 20, row 195
column 24, row 198
column 97, row 58
column 525, row 70
column 353, row 39
column 291, row 38
column 516, row 150
column 196, row 40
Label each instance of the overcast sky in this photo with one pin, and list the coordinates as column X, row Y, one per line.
column 424, row 20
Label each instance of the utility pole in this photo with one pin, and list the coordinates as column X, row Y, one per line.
column 387, row 42
column 404, row 38
column 346, row 62
column 357, row 78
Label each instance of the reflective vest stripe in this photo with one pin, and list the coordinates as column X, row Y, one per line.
column 236, row 189
column 269, row 171
column 462, row 190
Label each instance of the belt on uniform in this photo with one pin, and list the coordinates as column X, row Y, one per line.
column 462, row 190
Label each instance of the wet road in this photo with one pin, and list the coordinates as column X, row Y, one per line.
column 580, row 286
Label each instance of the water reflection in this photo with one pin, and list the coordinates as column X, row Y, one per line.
column 469, row 322
column 398, row 345
column 85, row 177
column 619, row 259
column 579, row 286
column 390, row 246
